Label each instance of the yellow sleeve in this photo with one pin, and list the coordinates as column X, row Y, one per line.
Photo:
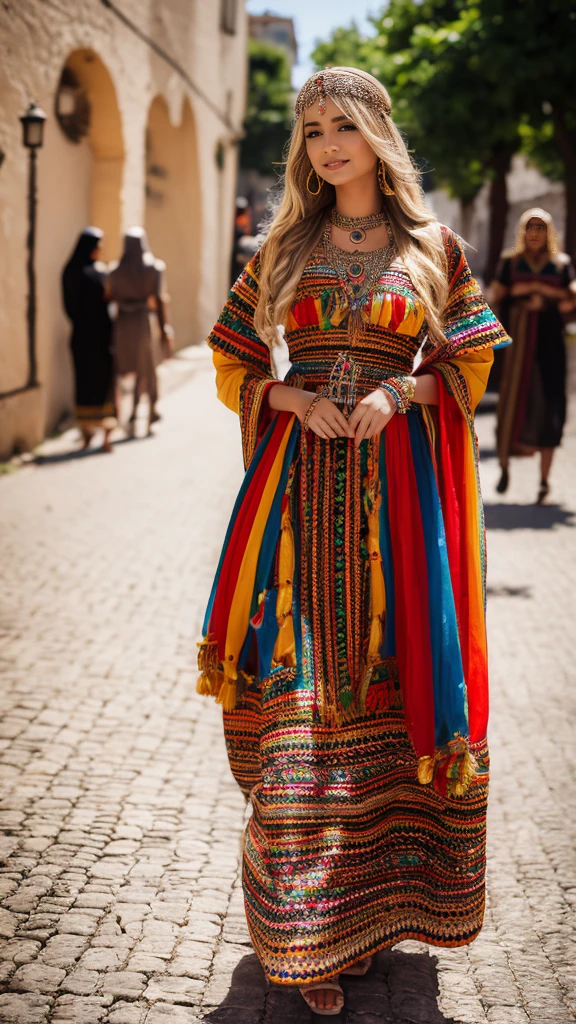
column 230, row 374
column 475, row 367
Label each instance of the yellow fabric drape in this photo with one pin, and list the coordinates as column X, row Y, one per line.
column 230, row 373
column 475, row 368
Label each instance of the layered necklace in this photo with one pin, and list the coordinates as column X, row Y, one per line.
column 358, row 226
column 359, row 271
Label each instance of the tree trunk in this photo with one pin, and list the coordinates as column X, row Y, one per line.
column 498, row 210
column 466, row 218
column 566, row 142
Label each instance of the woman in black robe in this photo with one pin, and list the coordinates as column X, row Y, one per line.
column 83, row 284
column 533, row 290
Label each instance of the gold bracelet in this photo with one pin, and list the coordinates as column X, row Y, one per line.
column 402, row 389
column 310, row 410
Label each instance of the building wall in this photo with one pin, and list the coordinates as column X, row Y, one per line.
column 150, row 158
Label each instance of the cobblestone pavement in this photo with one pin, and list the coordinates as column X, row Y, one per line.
column 119, row 898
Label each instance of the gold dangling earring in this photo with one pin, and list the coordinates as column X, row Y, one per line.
column 319, row 182
column 384, row 186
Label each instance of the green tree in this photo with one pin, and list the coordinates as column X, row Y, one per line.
column 472, row 83
column 269, row 107
column 532, row 46
column 431, row 57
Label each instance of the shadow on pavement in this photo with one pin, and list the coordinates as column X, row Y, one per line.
column 81, row 453
column 502, row 516
column 504, row 591
column 401, row 988
column 487, row 453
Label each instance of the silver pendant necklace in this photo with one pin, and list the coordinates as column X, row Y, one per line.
column 358, row 226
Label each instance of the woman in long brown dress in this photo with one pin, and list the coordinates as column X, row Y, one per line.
column 533, row 291
column 135, row 284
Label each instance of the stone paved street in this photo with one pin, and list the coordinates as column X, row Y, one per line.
column 121, row 824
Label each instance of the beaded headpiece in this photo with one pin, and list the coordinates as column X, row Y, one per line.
column 338, row 82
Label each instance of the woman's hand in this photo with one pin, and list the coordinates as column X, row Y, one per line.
column 326, row 420
column 520, row 290
column 167, row 342
column 371, row 415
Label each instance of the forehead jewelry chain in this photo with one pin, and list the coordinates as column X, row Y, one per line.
column 358, row 226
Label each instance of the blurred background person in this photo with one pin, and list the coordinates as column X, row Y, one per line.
column 532, row 290
column 245, row 245
column 83, row 288
column 135, row 286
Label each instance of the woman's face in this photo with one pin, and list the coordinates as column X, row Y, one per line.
column 95, row 254
column 536, row 234
column 337, row 149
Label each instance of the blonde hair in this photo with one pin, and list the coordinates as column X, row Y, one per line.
column 551, row 235
column 299, row 221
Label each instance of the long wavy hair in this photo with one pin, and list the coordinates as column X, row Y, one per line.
column 299, row 220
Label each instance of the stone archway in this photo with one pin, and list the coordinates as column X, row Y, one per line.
column 80, row 183
column 173, row 211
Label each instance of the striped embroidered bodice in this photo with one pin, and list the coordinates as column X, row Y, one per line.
column 391, row 325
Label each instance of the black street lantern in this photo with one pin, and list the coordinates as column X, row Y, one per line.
column 33, row 127
column 33, row 133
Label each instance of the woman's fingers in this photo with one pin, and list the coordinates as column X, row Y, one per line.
column 340, row 423
column 356, row 415
column 330, row 413
column 328, row 428
column 362, row 427
column 319, row 431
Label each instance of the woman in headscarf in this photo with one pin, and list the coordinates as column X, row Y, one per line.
column 533, row 289
column 83, row 282
column 135, row 284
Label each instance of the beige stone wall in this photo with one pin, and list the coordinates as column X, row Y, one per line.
column 149, row 159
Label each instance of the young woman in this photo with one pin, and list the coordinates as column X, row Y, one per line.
column 83, row 282
column 135, row 284
column 532, row 287
column 345, row 634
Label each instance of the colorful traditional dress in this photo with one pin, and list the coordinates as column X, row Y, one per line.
column 532, row 405
column 345, row 632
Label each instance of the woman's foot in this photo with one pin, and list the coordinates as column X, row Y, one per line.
column 502, row 485
column 325, row 998
column 360, row 969
column 543, row 492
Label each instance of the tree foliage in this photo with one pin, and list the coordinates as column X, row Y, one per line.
column 473, row 82
column 269, row 107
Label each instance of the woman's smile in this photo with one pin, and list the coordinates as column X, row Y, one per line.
column 333, row 165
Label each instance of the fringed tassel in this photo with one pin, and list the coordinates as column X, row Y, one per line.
column 425, row 770
column 227, row 695
column 211, row 675
column 451, row 769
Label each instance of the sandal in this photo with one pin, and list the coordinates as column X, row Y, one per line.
column 359, row 969
column 502, row 485
column 331, row 985
column 543, row 492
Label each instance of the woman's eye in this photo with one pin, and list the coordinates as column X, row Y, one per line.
column 347, row 127
column 312, row 134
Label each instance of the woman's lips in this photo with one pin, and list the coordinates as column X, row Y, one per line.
column 333, row 165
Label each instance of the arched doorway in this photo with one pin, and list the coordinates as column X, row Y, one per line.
column 173, row 211
column 80, row 183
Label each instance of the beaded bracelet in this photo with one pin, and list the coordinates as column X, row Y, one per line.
column 310, row 410
column 402, row 390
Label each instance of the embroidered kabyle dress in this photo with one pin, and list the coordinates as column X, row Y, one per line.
column 345, row 632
